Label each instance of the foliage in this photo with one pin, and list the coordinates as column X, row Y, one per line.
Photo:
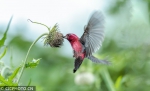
column 2, row 41
column 12, row 79
column 32, row 64
column 4, row 52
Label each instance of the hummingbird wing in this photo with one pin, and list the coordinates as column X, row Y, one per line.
column 77, row 63
column 93, row 33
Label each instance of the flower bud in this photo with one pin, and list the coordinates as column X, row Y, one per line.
column 55, row 38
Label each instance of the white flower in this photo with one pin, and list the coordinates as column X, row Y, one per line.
column 85, row 78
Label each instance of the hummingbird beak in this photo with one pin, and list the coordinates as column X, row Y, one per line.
column 65, row 37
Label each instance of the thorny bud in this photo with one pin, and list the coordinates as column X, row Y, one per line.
column 54, row 38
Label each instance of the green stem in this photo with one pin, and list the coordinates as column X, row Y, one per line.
column 28, row 54
column 106, row 76
column 40, row 24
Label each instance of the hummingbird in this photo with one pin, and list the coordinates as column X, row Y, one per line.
column 90, row 41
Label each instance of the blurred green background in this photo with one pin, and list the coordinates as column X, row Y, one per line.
column 126, row 45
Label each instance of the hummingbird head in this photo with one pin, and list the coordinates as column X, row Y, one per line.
column 71, row 37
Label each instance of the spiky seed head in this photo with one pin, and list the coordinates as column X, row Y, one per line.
column 55, row 38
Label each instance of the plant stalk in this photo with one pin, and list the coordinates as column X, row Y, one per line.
column 24, row 63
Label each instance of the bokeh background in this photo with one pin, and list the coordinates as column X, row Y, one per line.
column 126, row 44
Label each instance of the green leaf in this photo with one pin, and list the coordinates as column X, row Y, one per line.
column 3, row 54
column 107, row 79
column 3, row 81
column 2, row 84
column 118, row 82
column 29, row 82
column 32, row 64
column 2, row 41
column 14, row 74
column 9, row 82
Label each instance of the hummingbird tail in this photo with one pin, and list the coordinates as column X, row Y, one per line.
column 96, row 60
column 77, row 63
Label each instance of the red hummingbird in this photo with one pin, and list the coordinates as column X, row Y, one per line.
column 90, row 41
